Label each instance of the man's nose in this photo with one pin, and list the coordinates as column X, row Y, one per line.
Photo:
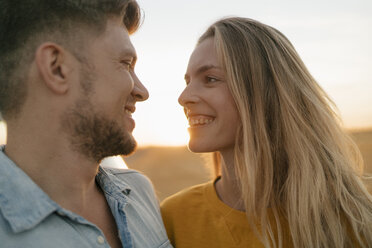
column 139, row 92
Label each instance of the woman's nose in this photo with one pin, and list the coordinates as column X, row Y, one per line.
column 188, row 96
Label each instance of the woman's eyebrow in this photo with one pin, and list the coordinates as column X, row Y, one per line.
column 203, row 69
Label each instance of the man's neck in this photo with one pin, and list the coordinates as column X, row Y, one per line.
column 65, row 175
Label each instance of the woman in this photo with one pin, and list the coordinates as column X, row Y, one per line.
column 290, row 176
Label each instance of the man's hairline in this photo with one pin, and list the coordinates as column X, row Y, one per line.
column 86, row 32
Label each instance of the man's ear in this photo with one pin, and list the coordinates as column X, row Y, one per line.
column 51, row 60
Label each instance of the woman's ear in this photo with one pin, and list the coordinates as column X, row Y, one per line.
column 53, row 67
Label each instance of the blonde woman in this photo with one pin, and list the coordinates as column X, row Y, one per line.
column 290, row 176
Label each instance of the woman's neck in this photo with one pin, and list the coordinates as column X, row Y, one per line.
column 227, row 187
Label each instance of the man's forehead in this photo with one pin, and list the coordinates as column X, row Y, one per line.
column 117, row 38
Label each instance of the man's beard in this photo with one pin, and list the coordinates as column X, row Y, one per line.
column 94, row 135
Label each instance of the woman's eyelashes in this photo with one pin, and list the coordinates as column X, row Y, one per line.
column 211, row 79
column 203, row 79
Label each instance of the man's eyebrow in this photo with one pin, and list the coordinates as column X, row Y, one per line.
column 203, row 69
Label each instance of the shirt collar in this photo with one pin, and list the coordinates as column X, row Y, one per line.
column 112, row 185
column 22, row 203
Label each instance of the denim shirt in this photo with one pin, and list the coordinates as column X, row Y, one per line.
column 29, row 218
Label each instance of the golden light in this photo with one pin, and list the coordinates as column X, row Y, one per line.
column 2, row 133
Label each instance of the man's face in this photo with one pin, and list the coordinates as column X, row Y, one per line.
column 100, row 121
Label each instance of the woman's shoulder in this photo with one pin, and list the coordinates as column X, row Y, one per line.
column 187, row 198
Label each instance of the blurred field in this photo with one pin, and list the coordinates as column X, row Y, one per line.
column 170, row 168
column 174, row 168
column 363, row 138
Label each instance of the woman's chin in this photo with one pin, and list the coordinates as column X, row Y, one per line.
column 200, row 147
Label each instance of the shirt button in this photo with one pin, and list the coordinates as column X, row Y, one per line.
column 100, row 240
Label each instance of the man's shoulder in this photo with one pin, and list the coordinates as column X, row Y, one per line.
column 139, row 187
column 133, row 178
column 125, row 172
column 142, row 207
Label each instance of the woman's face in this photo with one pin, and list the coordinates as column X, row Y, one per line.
column 208, row 103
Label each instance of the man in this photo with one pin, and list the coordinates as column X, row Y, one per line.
column 67, row 93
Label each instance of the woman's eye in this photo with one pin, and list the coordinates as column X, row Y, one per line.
column 211, row 79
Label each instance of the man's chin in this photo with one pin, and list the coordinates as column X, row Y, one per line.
column 130, row 145
column 94, row 135
column 97, row 139
column 126, row 146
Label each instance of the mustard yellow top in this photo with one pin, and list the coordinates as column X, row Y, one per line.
column 196, row 218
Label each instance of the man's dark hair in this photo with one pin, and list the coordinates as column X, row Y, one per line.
column 25, row 24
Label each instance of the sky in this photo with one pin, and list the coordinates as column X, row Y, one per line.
column 334, row 39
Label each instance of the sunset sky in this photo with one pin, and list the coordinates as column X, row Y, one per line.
column 332, row 37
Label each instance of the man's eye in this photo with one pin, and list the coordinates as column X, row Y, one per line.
column 127, row 64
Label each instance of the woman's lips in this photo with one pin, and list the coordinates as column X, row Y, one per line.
column 200, row 120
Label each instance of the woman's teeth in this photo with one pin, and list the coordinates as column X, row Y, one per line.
column 199, row 121
column 128, row 111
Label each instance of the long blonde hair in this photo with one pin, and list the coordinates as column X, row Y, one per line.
column 291, row 154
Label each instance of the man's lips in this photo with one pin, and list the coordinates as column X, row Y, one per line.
column 130, row 109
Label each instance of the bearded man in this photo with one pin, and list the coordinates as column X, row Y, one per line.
column 67, row 93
